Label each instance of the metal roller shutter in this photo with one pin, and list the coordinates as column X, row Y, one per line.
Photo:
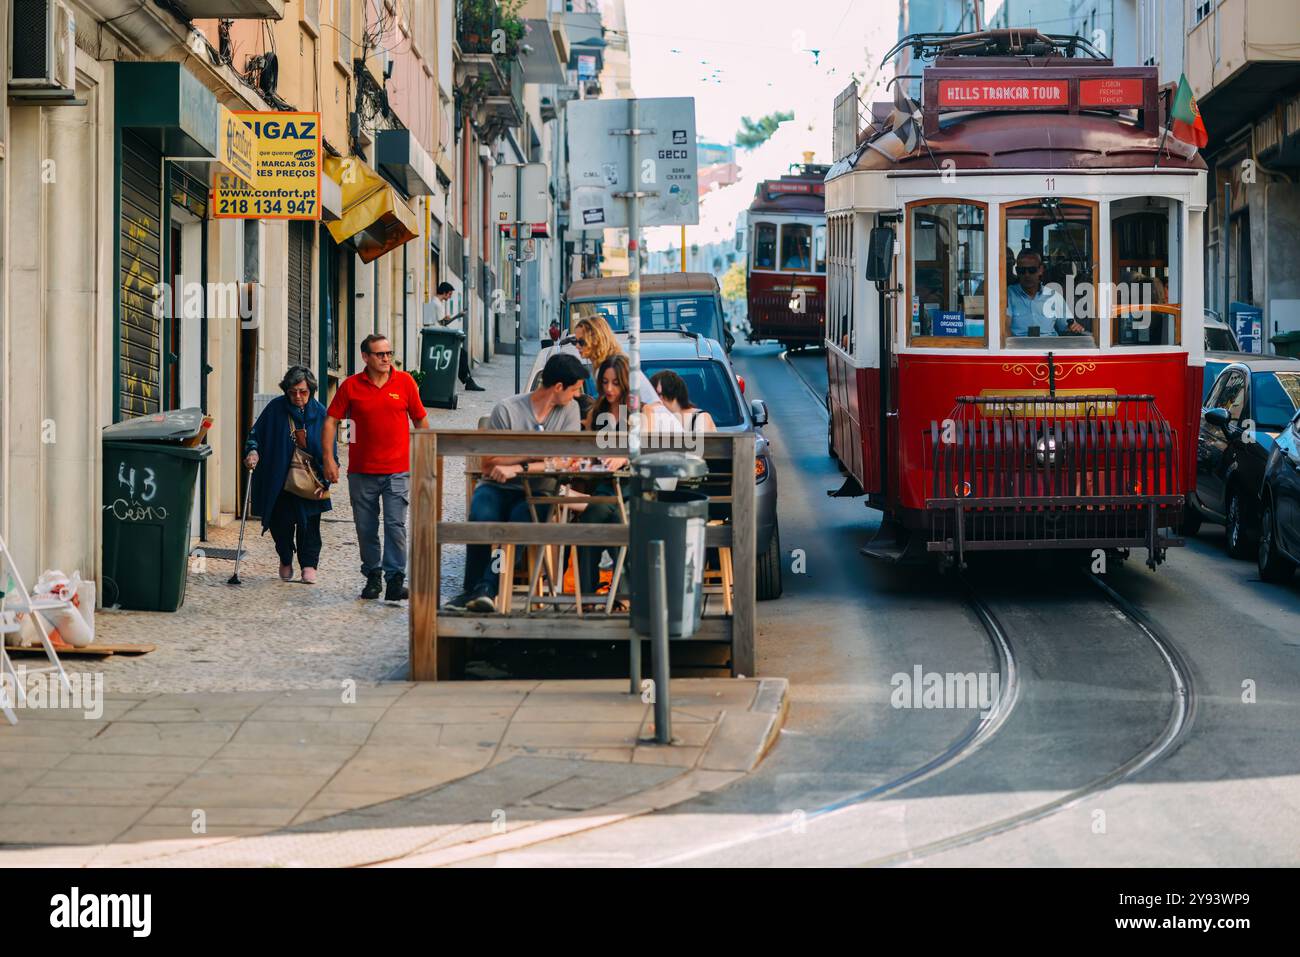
column 300, row 236
column 140, row 366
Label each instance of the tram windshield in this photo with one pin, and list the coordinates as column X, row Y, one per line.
column 1145, row 244
column 790, row 247
column 1050, row 265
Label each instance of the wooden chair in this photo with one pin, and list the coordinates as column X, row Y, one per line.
column 722, row 575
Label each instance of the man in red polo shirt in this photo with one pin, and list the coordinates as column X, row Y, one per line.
column 379, row 401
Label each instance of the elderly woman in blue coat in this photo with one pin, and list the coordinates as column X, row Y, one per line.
column 293, row 419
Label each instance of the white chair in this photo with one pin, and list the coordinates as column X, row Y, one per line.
column 21, row 602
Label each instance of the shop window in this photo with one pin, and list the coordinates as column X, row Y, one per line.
column 947, row 243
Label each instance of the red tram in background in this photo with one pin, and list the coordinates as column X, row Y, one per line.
column 981, row 410
column 785, row 274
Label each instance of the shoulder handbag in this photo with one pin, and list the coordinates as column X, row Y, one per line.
column 302, row 479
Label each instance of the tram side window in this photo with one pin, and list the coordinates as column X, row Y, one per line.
column 765, row 246
column 946, row 274
column 819, row 249
column 1145, row 256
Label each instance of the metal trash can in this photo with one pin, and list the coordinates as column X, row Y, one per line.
column 1287, row 344
column 661, row 510
column 150, row 467
column 440, row 362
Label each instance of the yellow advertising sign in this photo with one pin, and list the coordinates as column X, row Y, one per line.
column 287, row 170
column 237, row 148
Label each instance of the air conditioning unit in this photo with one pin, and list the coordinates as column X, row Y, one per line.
column 44, row 52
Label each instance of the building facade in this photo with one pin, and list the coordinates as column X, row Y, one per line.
column 123, row 293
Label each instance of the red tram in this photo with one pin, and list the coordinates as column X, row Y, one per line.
column 785, row 273
column 1021, row 366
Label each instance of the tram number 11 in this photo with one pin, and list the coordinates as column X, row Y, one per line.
column 1051, row 184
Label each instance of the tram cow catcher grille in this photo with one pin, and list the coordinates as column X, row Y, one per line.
column 1031, row 472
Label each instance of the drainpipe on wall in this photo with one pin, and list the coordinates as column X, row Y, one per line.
column 465, row 250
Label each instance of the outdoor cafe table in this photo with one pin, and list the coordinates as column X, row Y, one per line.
column 565, row 476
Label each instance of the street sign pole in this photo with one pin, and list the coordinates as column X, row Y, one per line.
column 519, row 229
column 633, row 287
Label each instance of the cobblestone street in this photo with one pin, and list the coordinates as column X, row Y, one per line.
column 266, row 634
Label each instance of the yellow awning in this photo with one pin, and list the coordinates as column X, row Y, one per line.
column 374, row 217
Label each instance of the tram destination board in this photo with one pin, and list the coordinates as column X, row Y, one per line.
column 1069, row 89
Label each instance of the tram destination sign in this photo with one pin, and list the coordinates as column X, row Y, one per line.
column 1003, row 93
column 1075, row 88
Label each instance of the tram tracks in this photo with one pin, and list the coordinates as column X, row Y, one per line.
column 980, row 732
column 812, row 391
column 976, row 734
column 1177, row 725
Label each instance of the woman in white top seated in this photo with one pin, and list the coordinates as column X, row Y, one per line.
column 676, row 398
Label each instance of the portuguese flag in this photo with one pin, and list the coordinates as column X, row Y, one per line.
column 1186, row 115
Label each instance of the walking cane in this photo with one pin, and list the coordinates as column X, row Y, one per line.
column 239, row 549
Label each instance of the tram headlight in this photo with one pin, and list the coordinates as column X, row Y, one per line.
column 1045, row 451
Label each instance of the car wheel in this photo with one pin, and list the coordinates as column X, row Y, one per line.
column 1235, row 528
column 1192, row 519
column 1273, row 565
column 769, row 569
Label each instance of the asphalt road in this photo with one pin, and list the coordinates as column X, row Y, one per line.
column 1093, row 695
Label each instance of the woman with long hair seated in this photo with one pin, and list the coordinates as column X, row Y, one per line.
column 676, row 398
column 610, row 413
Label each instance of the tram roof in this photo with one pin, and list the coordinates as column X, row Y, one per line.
column 1019, row 99
column 652, row 284
column 1032, row 140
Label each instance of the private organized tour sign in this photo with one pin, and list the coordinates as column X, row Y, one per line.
column 287, row 169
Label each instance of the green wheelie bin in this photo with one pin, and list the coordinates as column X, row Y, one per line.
column 1287, row 344
column 439, row 361
column 151, row 464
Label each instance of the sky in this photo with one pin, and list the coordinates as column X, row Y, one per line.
column 753, row 57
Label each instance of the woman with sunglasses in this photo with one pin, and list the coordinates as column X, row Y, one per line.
column 596, row 343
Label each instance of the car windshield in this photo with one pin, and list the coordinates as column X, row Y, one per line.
column 666, row 313
column 709, row 385
column 1277, row 396
column 1219, row 340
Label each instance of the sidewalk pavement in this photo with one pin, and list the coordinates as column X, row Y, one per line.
column 267, row 634
column 409, row 774
column 261, row 731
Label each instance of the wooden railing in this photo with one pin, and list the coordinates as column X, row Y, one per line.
column 438, row 637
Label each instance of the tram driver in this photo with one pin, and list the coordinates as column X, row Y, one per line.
column 1031, row 305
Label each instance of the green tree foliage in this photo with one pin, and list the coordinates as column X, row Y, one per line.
column 733, row 283
column 755, row 133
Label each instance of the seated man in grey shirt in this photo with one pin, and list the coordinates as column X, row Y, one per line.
column 499, row 496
